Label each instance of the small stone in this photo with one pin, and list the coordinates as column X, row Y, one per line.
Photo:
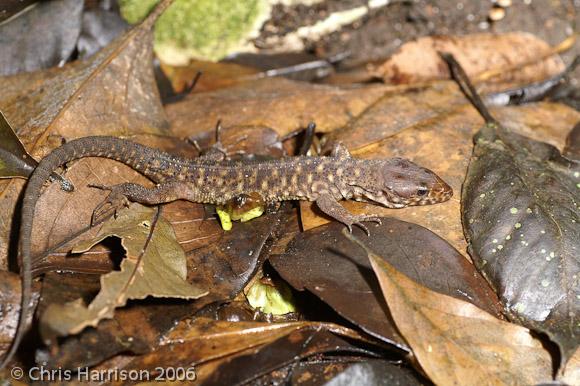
column 496, row 14
column 513, row 210
column 517, row 225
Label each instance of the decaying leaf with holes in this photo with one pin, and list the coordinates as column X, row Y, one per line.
column 155, row 266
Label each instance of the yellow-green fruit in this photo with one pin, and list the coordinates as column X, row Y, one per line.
column 276, row 300
column 225, row 218
column 204, row 29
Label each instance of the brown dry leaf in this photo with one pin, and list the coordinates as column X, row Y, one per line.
column 113, row 93
column 571, row 373
column 213, row 75
column 155, row 266
column 454, row 341
column 434, row 128
column 278, row 103
column 14, row 160
column 419, row 61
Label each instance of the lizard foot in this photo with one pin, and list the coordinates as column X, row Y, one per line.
column 112, row 204
column 358, row 220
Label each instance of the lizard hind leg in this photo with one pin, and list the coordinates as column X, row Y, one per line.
column 331, row 207
column 122, row 194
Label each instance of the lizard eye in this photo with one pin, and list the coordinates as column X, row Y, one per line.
column 422, row 191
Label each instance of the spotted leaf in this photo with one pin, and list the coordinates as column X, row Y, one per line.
column 521, row 218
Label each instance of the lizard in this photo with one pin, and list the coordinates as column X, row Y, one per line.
column 391, row 182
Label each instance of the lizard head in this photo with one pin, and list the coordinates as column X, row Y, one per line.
column 399, row 183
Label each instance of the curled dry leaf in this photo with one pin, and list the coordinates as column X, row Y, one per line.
column 113, row 93
column 155, row 266
column 325, row 263
column 419, row 61
column 520, row 211
column 454, row 341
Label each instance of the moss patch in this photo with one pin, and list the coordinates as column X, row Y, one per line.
column 205, row 29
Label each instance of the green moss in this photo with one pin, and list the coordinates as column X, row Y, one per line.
column 206, row 29
column 135, row 10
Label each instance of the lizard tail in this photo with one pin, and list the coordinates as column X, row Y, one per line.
column 150, row 162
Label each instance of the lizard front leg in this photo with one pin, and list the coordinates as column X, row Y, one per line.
column 331, row 207
column 121, row 194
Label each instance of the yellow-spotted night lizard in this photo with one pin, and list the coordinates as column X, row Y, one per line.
column 392, row 182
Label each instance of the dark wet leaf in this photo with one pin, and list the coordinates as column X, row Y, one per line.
column 520, row 212
column 203, row 340
column 10, row 307
column 9, row 8
column 455, row 342
column 135, row 329
column 48, row 30
column 100, row 27
column 292, row 65
column 225, row 267
column 338, row 272
column 14, row 160
column 288, row 349
column 379, row 373
column 155, row 266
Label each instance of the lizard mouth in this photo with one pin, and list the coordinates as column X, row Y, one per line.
column 387, row 198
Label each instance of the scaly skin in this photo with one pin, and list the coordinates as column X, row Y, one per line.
column 393, row 182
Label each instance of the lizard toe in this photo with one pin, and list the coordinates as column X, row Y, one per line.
column 363, row 227
column 101, row 187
